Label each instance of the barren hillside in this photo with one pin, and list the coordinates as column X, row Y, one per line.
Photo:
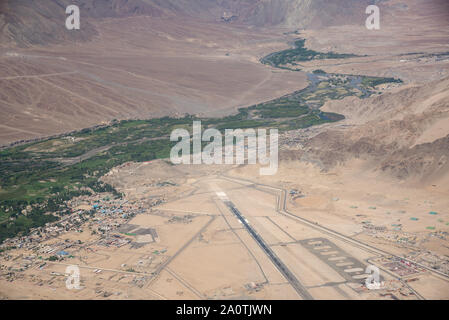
column 149, row 58
column 404, row 133
column 26, row 23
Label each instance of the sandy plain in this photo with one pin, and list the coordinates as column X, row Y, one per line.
column 139, row 67
column 209, row 254
column 364, row 216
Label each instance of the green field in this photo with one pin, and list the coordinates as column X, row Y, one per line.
column 287, row 58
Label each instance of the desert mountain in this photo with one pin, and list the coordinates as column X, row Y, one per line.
column 306, row 13
column 403, row 133
column 162, row 58
column 32, row 22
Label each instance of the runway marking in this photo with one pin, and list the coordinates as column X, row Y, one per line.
column 222, row 195
column 289, row 276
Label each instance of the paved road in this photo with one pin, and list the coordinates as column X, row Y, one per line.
column 300, row 289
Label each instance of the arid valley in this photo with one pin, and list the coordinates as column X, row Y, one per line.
column 363, row 162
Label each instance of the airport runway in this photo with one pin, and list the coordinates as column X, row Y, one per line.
column 300, row 289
